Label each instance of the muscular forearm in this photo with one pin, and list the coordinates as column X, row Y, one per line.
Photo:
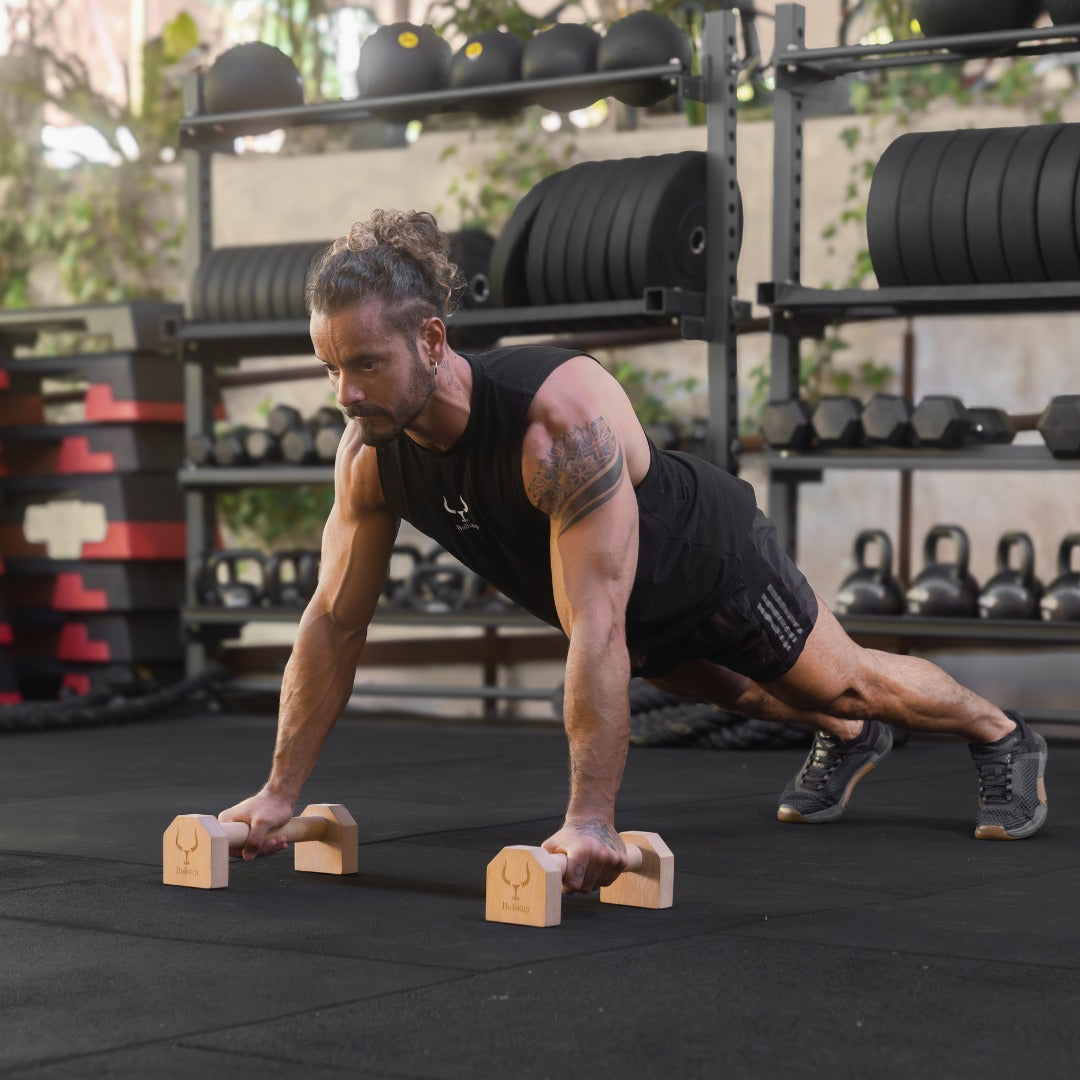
column 316, row 687
column 597, row 719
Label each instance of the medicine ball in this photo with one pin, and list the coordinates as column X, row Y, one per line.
column 253, row 75
column 402, row 58
column 642, row 39
column 562, row 50
column 487, row 59
column 939, row 18
column 1063, row 12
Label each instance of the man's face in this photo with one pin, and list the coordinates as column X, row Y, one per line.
column 379, row 377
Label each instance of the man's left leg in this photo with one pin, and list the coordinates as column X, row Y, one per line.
column 848, row 694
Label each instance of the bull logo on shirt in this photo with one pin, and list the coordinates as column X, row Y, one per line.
column 463, row 522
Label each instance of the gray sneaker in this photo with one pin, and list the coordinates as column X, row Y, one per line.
column 822, row 787
column 1012, row 792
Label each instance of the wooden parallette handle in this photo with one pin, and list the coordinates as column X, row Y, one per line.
column 634, row 858
column 295, row 830
column 524, row 884
column 195, row 847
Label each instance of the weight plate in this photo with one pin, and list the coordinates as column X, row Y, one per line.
column 985, row 247
column 948, row 208
column 882, row 207
column 1019, row 203
column 913, row 228
column 217, row 264
column 622, row 224
column 279, row 284
column 272, row 255
column 298, row 279
column 593, row 243
column 470, row 251
column 1055, row 212
column 249, row 271
column 677, row 258
column 543, row 225
column 231, row 281
column 509, row 256
column 648, row 210
column 580, row 180
column 198, row 290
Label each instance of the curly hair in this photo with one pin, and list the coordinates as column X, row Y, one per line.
column 400, row 258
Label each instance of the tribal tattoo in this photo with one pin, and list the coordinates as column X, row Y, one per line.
column 580, row 473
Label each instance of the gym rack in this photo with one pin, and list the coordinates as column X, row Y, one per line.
column 812, row 82
column 715, row 316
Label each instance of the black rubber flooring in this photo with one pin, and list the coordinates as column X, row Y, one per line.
column 889, row 944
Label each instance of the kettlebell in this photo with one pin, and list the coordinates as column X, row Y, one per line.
column 561, row 50
column 402, row 58
column 487, row 59
column 223, row 578
column 871, row 590
column 1012, row 593
column 397, row 591
column 944, row 588
column 1061, row 601
column 282, row 573
column 642, row 39
column 252, row 75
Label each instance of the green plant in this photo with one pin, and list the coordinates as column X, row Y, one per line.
column 652, row 392
column 272, row 518
column 468, row 17
column 100, row 230
column 484, row 195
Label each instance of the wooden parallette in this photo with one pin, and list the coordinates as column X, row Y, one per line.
column 524, row 884
column 195, row 847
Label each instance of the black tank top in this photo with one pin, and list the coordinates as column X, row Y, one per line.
column 694, row 518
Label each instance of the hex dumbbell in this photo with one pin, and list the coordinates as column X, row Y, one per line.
column 524, row 884
column 195, row 847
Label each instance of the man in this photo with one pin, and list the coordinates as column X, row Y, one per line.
column 529, row 464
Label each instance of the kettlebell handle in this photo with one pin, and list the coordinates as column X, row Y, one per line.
column 1065, row 552
column 1021, row 540
column 229, row 559
column 948, row 532
column 869, row 536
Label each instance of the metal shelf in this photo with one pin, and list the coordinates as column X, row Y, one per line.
column 222, row 616
column 1017, row 632
column 255, row 476
column 286, row 337
column 791, row 302
column 955, row 48
column 196, row 130
column 969, row 459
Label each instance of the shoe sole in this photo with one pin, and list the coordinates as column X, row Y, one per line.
column 831, row 813
column 999, row 832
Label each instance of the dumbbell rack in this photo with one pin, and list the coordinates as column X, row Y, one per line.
column 809, row 82
column 714, row 316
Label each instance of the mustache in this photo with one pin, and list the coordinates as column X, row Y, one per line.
column 360, row 412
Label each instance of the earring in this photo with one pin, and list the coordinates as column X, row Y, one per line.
column 435, row 369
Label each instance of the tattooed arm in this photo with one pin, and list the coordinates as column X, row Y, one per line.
column 576, row 470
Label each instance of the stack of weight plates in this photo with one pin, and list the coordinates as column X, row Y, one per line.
column 266, row 282
column 607, row 230
column 965, row 207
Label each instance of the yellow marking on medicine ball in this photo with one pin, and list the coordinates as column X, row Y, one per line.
column 408, row 40
column 473, row 50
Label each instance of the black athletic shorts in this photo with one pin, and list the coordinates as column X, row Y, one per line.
column 761, row 630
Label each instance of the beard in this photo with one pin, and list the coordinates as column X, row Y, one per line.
column 380, row 427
